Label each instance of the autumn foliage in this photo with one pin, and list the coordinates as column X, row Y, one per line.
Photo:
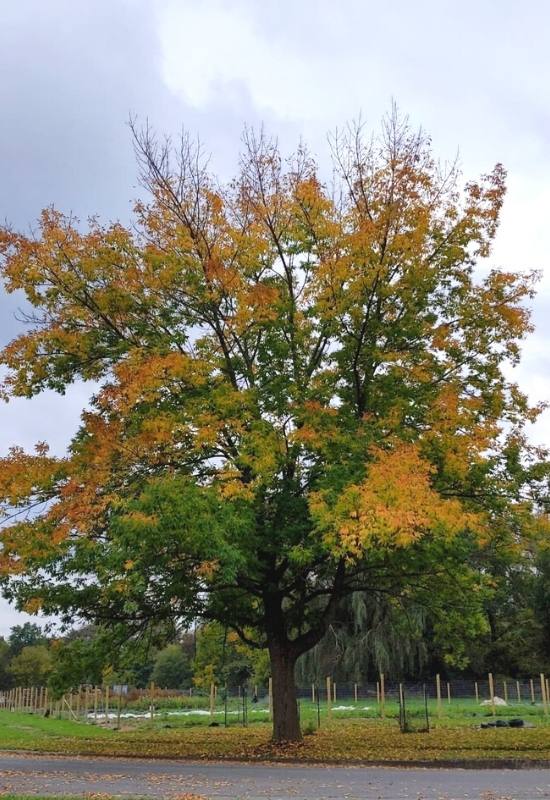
column 299, row 393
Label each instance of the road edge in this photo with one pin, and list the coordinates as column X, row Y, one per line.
column 488, row 763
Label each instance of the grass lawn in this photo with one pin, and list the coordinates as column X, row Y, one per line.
column 346, row 740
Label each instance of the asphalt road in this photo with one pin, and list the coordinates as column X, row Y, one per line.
column 158, row 779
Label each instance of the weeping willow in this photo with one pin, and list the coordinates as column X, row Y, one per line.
column 374, row 633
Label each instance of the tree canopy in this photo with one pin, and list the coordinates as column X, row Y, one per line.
column 303, row 394
column 26, row 635
column 32, row 666
column 172, row 669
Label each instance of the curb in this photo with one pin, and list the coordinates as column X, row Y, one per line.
column 488, row 763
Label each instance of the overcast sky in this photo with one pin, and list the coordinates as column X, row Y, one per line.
column 475, row 74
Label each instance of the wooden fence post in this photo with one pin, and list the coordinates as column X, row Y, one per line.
column 333, row 692
column 312, row 692
column 544, row 698
column 382, row 695
column 355, row 691
column 477, row 692
column 543, row 692
column 329, row 697
column 518, row 690
column 532, row 687
column 152, row 697
column 438, row 693
column 212, row 701
column 448, row 692
column 492, row 693
column 270, row 697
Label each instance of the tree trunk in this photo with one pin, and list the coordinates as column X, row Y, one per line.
column 286, row 723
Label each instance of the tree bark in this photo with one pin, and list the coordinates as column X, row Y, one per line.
column 286, row 722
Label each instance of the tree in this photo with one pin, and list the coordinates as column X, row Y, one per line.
column 5, row 677
column 25, row 635
column 85, row 655
column 172, row 668
column 224, row 659
column 371, row 634
column 80, row 658
column 302, row 395
column 32, row 666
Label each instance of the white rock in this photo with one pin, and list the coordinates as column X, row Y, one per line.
column 497, row 701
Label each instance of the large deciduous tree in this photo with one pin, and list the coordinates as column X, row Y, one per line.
column 300, row 395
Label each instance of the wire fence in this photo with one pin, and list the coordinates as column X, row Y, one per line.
column 407, row 701
column 510, row 690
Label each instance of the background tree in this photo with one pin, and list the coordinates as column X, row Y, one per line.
column 86, row 655
column 5, row 677
column 32, row 666
column 172, row 669
column 79, row 658
column 25, row 635
column 223, row 657
column 302, row 396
